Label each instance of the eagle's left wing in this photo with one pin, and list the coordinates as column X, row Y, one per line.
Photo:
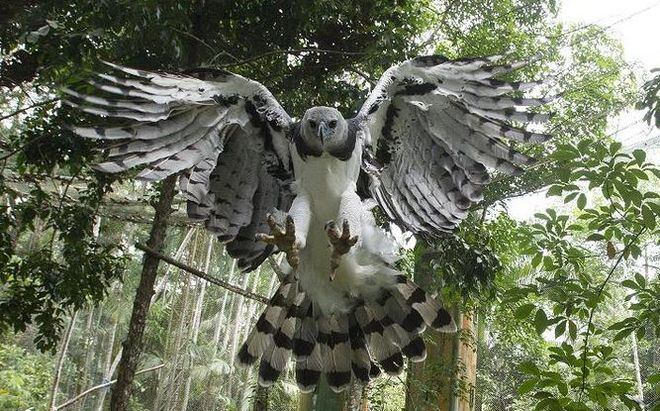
column 434, row 128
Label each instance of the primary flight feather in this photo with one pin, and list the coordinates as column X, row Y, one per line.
column 423, row 140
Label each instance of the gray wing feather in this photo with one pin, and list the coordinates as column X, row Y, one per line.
column 227, row 136
column 434, row 127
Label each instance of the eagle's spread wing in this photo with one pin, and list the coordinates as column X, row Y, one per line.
column 227, row 135
column 436, row 126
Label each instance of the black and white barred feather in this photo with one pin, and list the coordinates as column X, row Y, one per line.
column 227, row 136
column 369, row 337
column 436, row 126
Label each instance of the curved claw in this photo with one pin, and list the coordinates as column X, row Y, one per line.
column 283, row 237
column 341, row 243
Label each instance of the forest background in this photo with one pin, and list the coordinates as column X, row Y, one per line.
column 561, row 311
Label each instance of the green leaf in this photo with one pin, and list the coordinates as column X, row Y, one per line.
column 595, row 237
column 630, row 284
column 640, row 155
column 570, row 197
column 629, row 402
column 540, row 321
column 528, row 367
column 582, row 201
column 560, row 329
column 623, row 334
column 640, row 280
column 648, row 217
column 572, row 330
column 526, row 387
column 523, row 311
column 654, row 379
column 622, row 324
column 554, row 190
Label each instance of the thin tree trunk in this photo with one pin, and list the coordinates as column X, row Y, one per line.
column 169, row 353
column 121, row 392
column 162, row 284
column 221, row 314
column 179, row 367
column 197, row 318
column 638, row 374
column 108, row 368
column 235, row 335
column 160, row 291
column 260, row 399
column 232, row 314
column 251, row 309
column 217, row 332
column 60, row 361
column 86, row 377
column 357, row 397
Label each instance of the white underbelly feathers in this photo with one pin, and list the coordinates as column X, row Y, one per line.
column 324, row 179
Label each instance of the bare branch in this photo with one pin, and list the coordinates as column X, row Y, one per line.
column 203, row 275
column 24, row 109
column 100, row 386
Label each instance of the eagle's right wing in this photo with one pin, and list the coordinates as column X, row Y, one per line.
column 227, row 136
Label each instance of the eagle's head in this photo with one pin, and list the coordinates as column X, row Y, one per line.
column 324, row 129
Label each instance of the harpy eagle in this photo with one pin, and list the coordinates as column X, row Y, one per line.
column 420, row 146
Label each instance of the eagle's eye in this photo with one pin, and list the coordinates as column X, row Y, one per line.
column 312, row 123
column 333, row 123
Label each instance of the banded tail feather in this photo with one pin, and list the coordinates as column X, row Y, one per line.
column 374, row 334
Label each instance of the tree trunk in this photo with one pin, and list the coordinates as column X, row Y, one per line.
column 108, row 368
column 260, row 399
column 86, row 376
column 197, row 319
column 238, row 305
column 178, row 367
column 160, row 288
column 221, row 313
column 357, row 397
column 132, row 346
column 60, row 361
column 446, row 379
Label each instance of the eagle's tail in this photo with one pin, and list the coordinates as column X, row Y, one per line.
column 375, row 334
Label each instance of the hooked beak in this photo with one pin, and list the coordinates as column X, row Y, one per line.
column 324, row 131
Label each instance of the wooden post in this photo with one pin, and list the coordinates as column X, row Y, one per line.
column 446, row 380
column 322, row 399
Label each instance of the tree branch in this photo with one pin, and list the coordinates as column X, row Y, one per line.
column 203, row 275
column 24, row 109
column 98, row 387
column 587, row 333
